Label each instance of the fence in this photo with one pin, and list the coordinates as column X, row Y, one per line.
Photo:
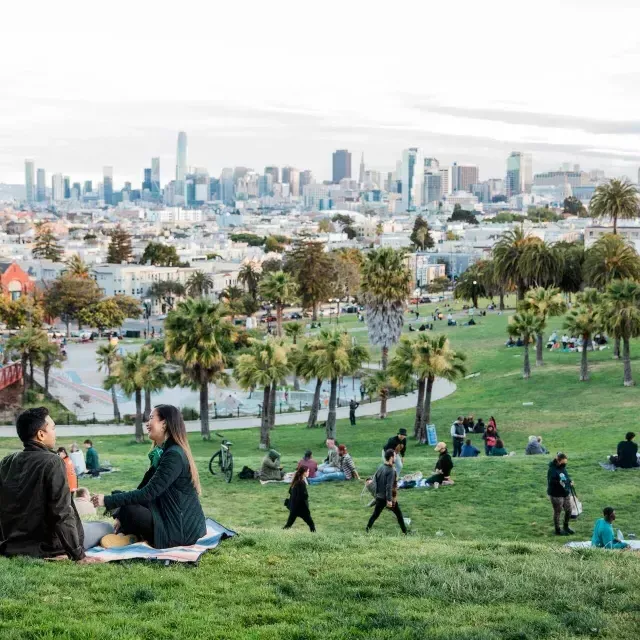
column 10, row 374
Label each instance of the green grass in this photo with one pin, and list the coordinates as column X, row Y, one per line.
column 482, row 564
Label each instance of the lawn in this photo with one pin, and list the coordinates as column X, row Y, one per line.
column 482, row 563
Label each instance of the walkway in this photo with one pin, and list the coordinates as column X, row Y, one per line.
column 441, row 389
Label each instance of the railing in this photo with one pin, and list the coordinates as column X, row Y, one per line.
column 10, row 374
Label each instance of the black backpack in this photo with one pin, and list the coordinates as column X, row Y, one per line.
column 246, row 474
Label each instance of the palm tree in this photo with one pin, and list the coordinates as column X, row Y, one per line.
column 76, row 267
column 278, row 288
column 543, row 303
column 50, row 356
column 611, row 257
column 264, row 365
column 470, row 285
column 403, row 368
column 167, row 291
column 526, row 325
column 377, row 385
column 304, row 363
column 249, row 276
column 294, row 330
column 572, row 277
column 198, row 339
column 617, row 199
column 107, row 355
column 199, row 284
column 232, row 297
column 622, row 312
column 337, row 355
column 583, row 322
column 385, row 289
column 541, row 264
column 507, row 256
column 155, row 377
column 29, row 342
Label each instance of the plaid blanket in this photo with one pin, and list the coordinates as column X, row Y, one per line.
column 215, row 534
column 633, row 544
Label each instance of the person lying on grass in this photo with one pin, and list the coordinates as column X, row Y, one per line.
column 166, row 511
column 37, row 515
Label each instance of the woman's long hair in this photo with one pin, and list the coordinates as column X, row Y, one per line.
column 178, row 432
column 298, row 476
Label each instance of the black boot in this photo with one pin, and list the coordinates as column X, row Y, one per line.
column 560, row 532
column 567, row 529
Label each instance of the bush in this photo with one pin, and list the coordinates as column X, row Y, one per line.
column 189, row 413
column 32, row 396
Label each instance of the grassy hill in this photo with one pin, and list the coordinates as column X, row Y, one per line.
column 483, row 562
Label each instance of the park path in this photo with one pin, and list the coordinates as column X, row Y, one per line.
column 441, row 389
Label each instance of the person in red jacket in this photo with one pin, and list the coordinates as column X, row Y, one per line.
column 72, row 479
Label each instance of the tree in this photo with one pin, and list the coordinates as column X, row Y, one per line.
column 420, row 237
column 460, row 215
column 76, row 267
column 377, row 385
column 347, row 269
column 326, row 226
column 313, row 270
column 119, row 249
column 541, row 265
column 617, row 199
column 507, row 257
column 264, row 366
column 573, row 206
column 304, row 363
column 543, row 303
column 29, row 343
column 249, row 276
column 50, row 356
column 104, row 314
column 271, row 265
column 19, row 313
column 279, row 289
column 160, row 255
column 67, row 296
column 542, row 214
column 572, row 277
column 470, row 285
column 167, row 291
column 336, row 355
column 107, row 355
column 155, row 378
column 198, row 340
column 525, row 325
column 294, row 330
column 583, row 322
column 129, row 306
column 439, row 284
column 199, row 284
column 46, row 245
column 622, row 313
column 610, row 257
column 250, row 238
column 232, row 297
column 385, row 288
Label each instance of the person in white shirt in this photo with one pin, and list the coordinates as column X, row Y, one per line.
column 76, row 457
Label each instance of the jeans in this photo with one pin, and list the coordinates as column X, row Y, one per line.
column 93, row 532
column 352, row 418
column 327, row 468
column 457, row 447
column 381, row 503
column 326, row 477
column 303, row 513
column 487, row 450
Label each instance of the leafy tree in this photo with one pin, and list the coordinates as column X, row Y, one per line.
column 272, row 245
column 542, row 214
column 420, row 237
column 507, row 216
column 343, row 220
column 610, row 257
column 583, row 322
column 67, row 296
column 617, row 199
column 573, row 206
column 107, row 355
column 119, row 249
column 470, row 285
column 280, row 289
column 264, row 366
column 347, row 268
column 104, row 314
column 29, row 342
column 76, row 267
column 198, row 339
column 199, row 284
column 167, row 291
column 160, row 255
column 129, row 306
column 461, row 215
column 26, row 310
column 293, row 331
column 249, row 276
column 45, row 244
column 439, row 284
column 543, row 303
column 250, row 238
column 271, row 265
column 385, row 288
column 326, row 226
column 525, row 325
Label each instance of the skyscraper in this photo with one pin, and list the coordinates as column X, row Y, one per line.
column 181, row 170
column 463, row 176
column 306, row 177
column 88, row 187
column 67, row 187
column 412, row 179
column 41, row 185
column 519, row 173
column 29, row 178
column 361, row 174
column 291, row 176
column 57, row 187
column 226, row 186
column 107, row 185
column 146, row 183
column 155, row 177
column 341, row 165
column 274, row 172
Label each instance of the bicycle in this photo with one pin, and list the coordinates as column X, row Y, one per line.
column 224, row 459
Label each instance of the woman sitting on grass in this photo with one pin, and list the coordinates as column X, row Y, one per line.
column 166, row 510
column 499, row 449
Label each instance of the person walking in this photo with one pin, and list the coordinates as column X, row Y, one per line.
column 386, row 480
column 298, row 500
column 353, row 405
column 559, row 485
column 458, row 434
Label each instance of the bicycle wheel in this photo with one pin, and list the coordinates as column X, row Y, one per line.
column 228, row 472
column 212, row 462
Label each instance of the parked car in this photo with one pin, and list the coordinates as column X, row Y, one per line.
column 425, row 299
column 295, row 316
column 350, row 308
column 268, row 318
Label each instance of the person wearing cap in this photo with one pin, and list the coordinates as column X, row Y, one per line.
column 397, row 443
column 603, row 534
column 559, row 491
column 386, row 483
column 458, row 433
column 443, row 467
column 309, row 463
column 627, row 454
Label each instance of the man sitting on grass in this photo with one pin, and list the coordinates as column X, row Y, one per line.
column 603, row 535
column 468, row 450
column 443, row 467
column 627, row 454
column 37, row 515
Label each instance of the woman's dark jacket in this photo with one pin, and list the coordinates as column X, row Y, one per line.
column 299, row 497
column 169, row 493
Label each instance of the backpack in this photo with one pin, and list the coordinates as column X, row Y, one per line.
column 246, row 474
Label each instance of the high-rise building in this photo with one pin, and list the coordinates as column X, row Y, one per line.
column 432, row 187
column 274, row 172
column 227, row 187
column 180, row 188
column 76, row 191
column 57, row 187
column 29, row 179
column 463, row 176
column 88, row 187
column 412, row 179
column 519, row 174
column 361, row 174
column 155, row 177
column 201, row 186
column 107, row 185
column 265, row 185
column 146, row 183
column 67, row 187
column 341, row 165
column 291, row 176
column 41, row 185
column 306, row 177
column 214, row 189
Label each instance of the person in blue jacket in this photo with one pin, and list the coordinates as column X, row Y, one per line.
column 603, row 534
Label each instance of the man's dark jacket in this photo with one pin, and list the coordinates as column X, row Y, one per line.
column 393, row 442
column 178, row 518
column 37, row 515
column 627, row 454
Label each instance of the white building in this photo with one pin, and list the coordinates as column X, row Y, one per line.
column 57, row 187
column 630, row 232
column 412, row 179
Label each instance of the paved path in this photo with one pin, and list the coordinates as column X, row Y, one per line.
column 441, row 389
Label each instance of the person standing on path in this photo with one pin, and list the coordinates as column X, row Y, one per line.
column 458, row 434
column 386, row 480
column 353, row 405
column 559, row 491
column 299, row 500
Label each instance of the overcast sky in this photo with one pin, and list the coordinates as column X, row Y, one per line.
column 86, row 84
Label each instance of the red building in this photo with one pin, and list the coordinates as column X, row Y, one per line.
column 15, row 282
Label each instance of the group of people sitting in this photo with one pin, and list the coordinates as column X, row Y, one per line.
column 573, row 343
column 462, row 446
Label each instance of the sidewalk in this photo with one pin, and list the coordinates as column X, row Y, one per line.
column 441, row 389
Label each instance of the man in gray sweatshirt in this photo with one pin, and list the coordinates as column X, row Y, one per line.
column 386, row 480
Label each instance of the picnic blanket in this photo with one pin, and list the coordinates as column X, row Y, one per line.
column 288, row 477
column 612, row 467
column 586, row 544
column 215, row 534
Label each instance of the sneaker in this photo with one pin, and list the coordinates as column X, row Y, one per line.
column 114, row 540
column 367, row 529
column 436, row 485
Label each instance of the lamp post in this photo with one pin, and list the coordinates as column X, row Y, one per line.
column 147, row 313
column 473, row 293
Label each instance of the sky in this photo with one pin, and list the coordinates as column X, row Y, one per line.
column 84, row 84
